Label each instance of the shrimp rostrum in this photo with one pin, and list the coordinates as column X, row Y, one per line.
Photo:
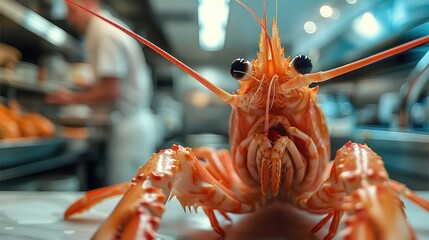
column 279, row 150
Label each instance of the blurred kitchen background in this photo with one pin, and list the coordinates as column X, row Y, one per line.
column 385, row 105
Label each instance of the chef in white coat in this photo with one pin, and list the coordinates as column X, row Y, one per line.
column 123, row 79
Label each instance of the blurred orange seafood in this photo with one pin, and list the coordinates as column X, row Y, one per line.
column 44, row 126
column 15, row 123
column 8, row 127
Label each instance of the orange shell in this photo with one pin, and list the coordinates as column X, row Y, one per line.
column 43, row 125
column 27, row 124
column 8, row 127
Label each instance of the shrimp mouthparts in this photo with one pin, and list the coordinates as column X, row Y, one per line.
column 275, row 132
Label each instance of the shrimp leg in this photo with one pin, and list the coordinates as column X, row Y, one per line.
column 359, row 185
column 95, row 196
column 177, row 172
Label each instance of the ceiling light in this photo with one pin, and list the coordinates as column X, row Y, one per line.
column 367, row 25
column 325, row 11
column 310, row 27
column 42, row 27
column 37, row 24
column 56, row 36
column 212, row 20
column 335, row 13
column 211, row 38
column 351, row 1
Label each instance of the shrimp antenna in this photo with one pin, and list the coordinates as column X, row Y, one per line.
column 374, row 58
column 216, row 90
column 262, row 24
column 305, row 80
column 277, row 11
column 255, row 16
column 268, row 37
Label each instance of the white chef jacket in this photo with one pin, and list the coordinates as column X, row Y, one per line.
column 133, row 140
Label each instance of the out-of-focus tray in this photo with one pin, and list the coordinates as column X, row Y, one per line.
column 20, row 151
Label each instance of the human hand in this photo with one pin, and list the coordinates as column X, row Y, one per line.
column 61, row 96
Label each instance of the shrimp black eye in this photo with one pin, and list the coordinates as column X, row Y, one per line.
column 302, row 64
column 240, row 68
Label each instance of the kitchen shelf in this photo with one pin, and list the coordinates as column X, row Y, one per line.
column 91, row 120
column 38, row 25
column 9, row 79
column 20, row 151
column 67, row 158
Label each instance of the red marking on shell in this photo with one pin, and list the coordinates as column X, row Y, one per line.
column 159, row 207
column 351, row 177
column 156, row 177
column 150, row 189
column 194, row 176
column 169, row 185
column 143, row 203
column 149, row 233
column 348, row 144
column 154, row 221
column 175, row 147
column 188, row 156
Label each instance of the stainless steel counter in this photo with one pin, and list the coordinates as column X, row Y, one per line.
column 38, row 215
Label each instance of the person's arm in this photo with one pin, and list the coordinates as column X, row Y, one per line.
column 107, row 90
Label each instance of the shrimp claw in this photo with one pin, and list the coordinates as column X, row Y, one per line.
column 359, row 186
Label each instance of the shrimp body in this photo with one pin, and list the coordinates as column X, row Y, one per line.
column 265, row 112
column 279, row 150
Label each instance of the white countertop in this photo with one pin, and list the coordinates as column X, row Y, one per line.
column 38, row 215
